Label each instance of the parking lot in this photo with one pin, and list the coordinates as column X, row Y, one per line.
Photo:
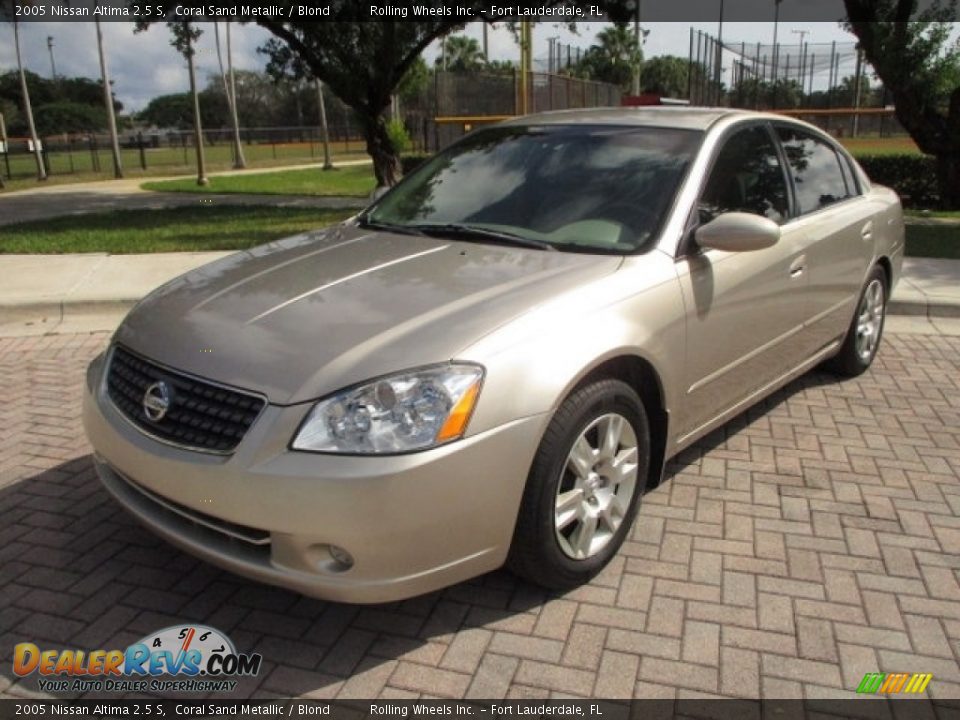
column 812, row 540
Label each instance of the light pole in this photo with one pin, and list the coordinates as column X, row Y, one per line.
column 803, row 57
column 53, row 64
column 719, row 59
column 776, row 52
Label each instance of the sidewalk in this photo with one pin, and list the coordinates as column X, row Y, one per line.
column 93, row 291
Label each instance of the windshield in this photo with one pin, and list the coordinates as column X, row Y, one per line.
column 577, row 188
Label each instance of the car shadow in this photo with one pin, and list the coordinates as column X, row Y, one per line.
column 77, row 572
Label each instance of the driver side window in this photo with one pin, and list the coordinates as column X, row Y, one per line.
column 746, row 177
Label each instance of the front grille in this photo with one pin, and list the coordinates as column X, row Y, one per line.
column 201, row 415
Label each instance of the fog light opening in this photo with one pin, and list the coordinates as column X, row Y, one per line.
column 341, row 557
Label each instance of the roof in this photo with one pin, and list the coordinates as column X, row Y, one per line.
column 653, row 116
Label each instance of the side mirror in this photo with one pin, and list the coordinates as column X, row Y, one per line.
column 738, row 232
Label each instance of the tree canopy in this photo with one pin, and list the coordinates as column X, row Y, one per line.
column 912, row 54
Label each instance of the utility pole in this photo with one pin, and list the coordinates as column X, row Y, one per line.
column 486, row 56
column 27, row 107
column 53, row 64
column 108, row 103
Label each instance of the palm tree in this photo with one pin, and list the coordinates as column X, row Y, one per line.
column 231, row 92
column 615, row 56
column 27, row 108
column 461, row 53
column 183, row 37
column 108, row 102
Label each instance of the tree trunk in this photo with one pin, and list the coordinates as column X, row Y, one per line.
column 197, row 124
column 240, row 161
column 386, row 161
column 948, row 179
column 108, row 104
column 27, row 108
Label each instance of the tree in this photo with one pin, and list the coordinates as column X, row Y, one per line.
column 168, row 111
column 460, row 53
column 666, row 76
column 615, row 57
column 230, row 90
column 59, row 118
column 361, row 62
column 415, row 82
column 911, row 54
column 27, row 108
column 184, row 35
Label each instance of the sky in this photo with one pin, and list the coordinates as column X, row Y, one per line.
column 144, row 65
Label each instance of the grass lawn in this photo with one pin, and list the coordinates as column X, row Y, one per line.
column 166, row 230
column 79, row 165
column 950, row 214
column 355, row 181
column 880, row 146
column 935, row 241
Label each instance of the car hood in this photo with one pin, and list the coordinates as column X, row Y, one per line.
column 303, row 317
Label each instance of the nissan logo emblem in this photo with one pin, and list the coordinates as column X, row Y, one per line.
column 156, row 401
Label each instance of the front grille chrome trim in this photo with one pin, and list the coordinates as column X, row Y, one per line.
column 105, row 393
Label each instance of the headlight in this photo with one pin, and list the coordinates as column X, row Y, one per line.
column 412, row 411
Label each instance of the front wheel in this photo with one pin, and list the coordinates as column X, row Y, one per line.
column 584, row 487
column 863, row 338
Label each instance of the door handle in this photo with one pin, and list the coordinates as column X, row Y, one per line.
column 867, row 231
column 798, row 266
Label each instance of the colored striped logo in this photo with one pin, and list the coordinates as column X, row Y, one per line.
column 888, row 683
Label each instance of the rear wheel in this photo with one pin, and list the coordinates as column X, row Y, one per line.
column 584, row 487
column 863, row 338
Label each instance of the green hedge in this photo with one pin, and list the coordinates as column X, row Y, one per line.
column 914, row 177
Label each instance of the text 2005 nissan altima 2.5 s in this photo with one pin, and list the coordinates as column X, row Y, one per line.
column 491, row 363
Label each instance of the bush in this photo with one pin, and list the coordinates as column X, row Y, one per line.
column 409, row 163
column 399, row 137
column 914, row 177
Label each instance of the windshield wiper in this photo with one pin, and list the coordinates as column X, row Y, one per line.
column 369, row 224
column 473, row 232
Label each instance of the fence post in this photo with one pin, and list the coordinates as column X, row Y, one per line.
column 70, row 154
column 143, row 153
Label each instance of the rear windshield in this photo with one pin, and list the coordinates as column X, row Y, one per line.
column 578, row 188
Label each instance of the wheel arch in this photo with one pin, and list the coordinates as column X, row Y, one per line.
column 640, row 374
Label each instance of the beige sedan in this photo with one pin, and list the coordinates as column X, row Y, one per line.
column 491, row 363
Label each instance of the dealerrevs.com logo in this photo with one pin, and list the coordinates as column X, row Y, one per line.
column 192, row 658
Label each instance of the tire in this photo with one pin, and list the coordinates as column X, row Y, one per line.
column 866, row 328
column 602, row 486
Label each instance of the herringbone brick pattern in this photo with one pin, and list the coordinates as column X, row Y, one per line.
column 811, row 540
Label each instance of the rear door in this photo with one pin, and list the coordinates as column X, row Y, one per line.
column 834, row 220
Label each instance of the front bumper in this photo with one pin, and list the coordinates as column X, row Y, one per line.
column 412, row 523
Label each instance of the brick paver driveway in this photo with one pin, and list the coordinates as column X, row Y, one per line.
column 812, row 540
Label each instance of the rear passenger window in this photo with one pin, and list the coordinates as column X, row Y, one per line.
column 818, row 173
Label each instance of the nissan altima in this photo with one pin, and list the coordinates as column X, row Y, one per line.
column 492, row 362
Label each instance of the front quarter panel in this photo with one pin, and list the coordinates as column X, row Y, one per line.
column 535, row 361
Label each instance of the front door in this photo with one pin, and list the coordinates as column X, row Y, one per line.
column 745, row 311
